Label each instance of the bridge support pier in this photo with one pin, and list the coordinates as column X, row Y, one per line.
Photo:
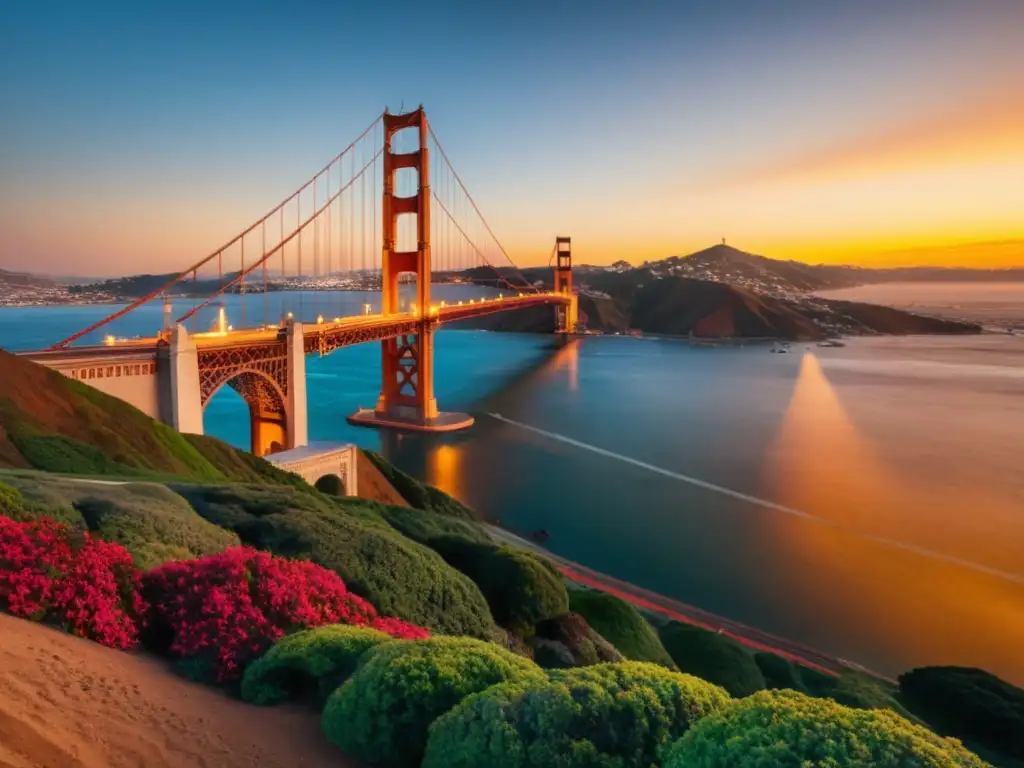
column 186, row 404
column 295, row 407
column 407, row 362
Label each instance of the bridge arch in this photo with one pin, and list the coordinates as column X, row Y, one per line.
column 267, row 403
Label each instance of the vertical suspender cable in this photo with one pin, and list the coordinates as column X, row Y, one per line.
column 241, row 285
column 316, row 253
column 263, row 248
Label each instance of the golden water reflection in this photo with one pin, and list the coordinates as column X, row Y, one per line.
column 444, row 463
column 937, row 611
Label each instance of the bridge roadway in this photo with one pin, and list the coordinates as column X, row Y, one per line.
column 344, row 331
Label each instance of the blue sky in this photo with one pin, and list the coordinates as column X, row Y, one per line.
column 157, row 129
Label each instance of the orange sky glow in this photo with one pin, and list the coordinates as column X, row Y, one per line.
column 868, row 133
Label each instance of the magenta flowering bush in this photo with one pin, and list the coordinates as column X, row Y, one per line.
column 220, row 613
column 60, row 576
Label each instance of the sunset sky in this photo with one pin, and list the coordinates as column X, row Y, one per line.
column 138, row 136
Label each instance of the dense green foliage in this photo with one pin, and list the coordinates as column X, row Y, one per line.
column 862, row 691
column 780, row 673
column 420, row 495
column 330, row 484
column 56, row 424
column 313, row 661
column 712, row 657
column 382, row 714
column 568, row 641
column 521, row 588
column 783, row 729
column 608, row 715
column 851, row 688
column 11, row 501
column 399, row 576
column 621, row 624
column 153, row 523
column 970, row 704
column 431, row 528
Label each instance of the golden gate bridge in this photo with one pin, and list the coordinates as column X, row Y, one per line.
column 388, row 210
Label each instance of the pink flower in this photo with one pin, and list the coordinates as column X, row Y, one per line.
column 228, row 609
column 86, row 586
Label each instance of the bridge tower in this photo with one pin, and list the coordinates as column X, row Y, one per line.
column 566, row 316
column 407, row 362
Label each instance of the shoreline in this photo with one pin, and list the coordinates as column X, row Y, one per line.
column 646, row 600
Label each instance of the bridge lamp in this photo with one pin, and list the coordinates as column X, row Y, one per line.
column 500, row 296
column 366, row 309
column 231, row 328
column 290, row 315
column 443, row 304
column 460, row 303
column 110, row 341
column 319, row 319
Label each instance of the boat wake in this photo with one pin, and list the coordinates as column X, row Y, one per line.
column 766, row 503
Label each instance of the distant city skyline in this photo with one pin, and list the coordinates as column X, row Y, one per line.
column 137, row 139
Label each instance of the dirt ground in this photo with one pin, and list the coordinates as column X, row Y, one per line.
column 66, row 702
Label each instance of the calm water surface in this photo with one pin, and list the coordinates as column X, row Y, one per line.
column 868, row 501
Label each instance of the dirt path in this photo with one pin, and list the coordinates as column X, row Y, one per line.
column 71, row 703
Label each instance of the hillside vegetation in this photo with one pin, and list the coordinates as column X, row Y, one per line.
column 152, row 522
column 52, row 423
column 399, row 576
column 331, row 600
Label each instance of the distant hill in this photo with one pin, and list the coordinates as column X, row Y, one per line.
column 135, row 286
column 680, row 306
column 49, row 422
column 723, row 263
column 25, row 279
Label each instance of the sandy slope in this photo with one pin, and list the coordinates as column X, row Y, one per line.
column 70, row 703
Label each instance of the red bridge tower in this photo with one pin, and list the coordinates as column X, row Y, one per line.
column 407, row 361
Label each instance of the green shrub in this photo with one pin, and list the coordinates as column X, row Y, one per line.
column 431, row 528
column 330, row 484
column 861, row 691
column 970, row 704
column 607, row 715
column 313, row 661
column 780, row 672
column 32, row 495
column 400, row 577
column 621, row 624
column 153, row 523
column 420, row 495
column 786, row 728
column 521, row 588
column 568, row 641
column 712, row 657
column 12, row 504
column 382, row 714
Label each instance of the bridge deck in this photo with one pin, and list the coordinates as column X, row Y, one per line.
column 342, row 331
